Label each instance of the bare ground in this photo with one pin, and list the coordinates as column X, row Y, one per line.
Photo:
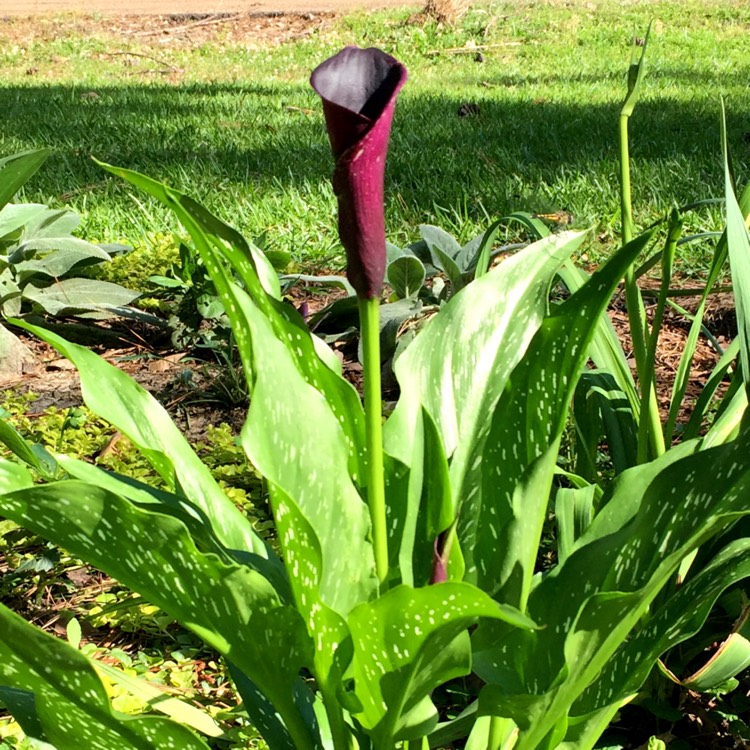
column 187, row 7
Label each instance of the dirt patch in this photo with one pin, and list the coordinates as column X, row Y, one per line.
column 184, row 7
column 181, row 30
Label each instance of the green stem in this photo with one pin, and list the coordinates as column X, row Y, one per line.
column 369, row 324
column 675, row 230
column 340, row 734
column 636, row 314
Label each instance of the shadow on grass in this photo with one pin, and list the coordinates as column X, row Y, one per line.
column 504, row 154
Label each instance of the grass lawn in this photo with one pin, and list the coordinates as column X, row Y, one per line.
column 232, row 119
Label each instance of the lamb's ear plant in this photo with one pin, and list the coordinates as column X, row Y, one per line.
column 41, row 263
column 408, row 549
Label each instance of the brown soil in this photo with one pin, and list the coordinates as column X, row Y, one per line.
column 184, row 7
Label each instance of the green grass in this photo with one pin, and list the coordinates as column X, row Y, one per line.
column 544, row 139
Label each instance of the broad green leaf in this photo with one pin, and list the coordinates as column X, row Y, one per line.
column 263, row 714
column 458, row 366
column 508, row 485
column 406, row 275
column 118, row 399
column 408, row 642
column 52, row 222
column 679, row 618
column 448, row 266
column 14, row 216
column 70, row 702
column 438, row 239
column 295, row 440
column 75, row 295
column 469, row 255
column 231, row 607
column 154, row 500
column 59, row 256
column 218, row 243
column 13, row 476
column 21, row 705
column 654, row 515
column 16, row 170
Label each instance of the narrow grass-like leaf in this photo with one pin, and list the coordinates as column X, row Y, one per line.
column 600, row 407
column 16, row 170
column 70, row 702
column 176, row 709
column 738, row 248
column 682, row 377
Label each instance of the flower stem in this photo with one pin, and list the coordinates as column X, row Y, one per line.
column 369, row 313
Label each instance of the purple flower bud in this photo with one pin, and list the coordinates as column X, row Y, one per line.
column 359, row 89
column 440, row 554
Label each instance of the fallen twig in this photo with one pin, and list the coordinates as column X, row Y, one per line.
column 146, row 57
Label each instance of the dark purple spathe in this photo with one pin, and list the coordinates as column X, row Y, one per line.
column 359, row 88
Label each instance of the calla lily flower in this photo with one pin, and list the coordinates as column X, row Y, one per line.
column 359, row 88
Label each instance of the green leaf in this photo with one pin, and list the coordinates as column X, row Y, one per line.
column 60, row 256
column 177, row 710
column 232, row 607
column 738, row 247
column 406, row 275
column 679, row 618
column 71, row 296
column 13, row 217
column 14, row 441
column 219, row 244
column 71, row 704
column 119, row 400
column 635, row 74
column 438, row 239
column 336, row 281
column 653, row 516
column 16, row 170
column 408, row 642
column 458, row 366
column 502, row 523
column 297, row 443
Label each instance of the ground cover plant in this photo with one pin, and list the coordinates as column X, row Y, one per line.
column 454, row 495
